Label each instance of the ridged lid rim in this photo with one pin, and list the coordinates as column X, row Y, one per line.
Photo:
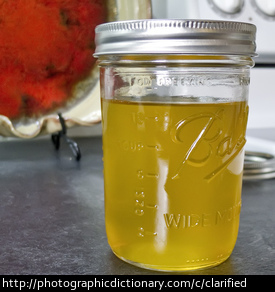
column 176, row 23
column 174, row 36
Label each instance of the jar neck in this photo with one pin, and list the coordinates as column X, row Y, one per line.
column 176, row 60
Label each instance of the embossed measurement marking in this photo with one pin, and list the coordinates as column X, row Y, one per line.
column 154, row 147
column 142, row 232
column 151, row 206
column 142, row 206
column 152, row 175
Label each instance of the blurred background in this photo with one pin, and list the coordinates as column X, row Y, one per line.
column 83, row 119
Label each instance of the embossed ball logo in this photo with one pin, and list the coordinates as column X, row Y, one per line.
column 209, row 142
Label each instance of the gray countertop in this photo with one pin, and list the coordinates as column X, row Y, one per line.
column 52, row 215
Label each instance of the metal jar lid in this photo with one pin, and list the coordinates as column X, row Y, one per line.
column 174, row 36
column 258, row 165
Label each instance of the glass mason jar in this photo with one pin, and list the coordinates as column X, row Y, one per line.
column 174, row 113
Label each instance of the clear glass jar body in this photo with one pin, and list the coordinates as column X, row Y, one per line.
column 173, row 144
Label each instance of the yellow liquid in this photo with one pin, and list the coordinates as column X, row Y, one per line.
column 173, row 179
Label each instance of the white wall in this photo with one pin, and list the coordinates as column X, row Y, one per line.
column 262, row 98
